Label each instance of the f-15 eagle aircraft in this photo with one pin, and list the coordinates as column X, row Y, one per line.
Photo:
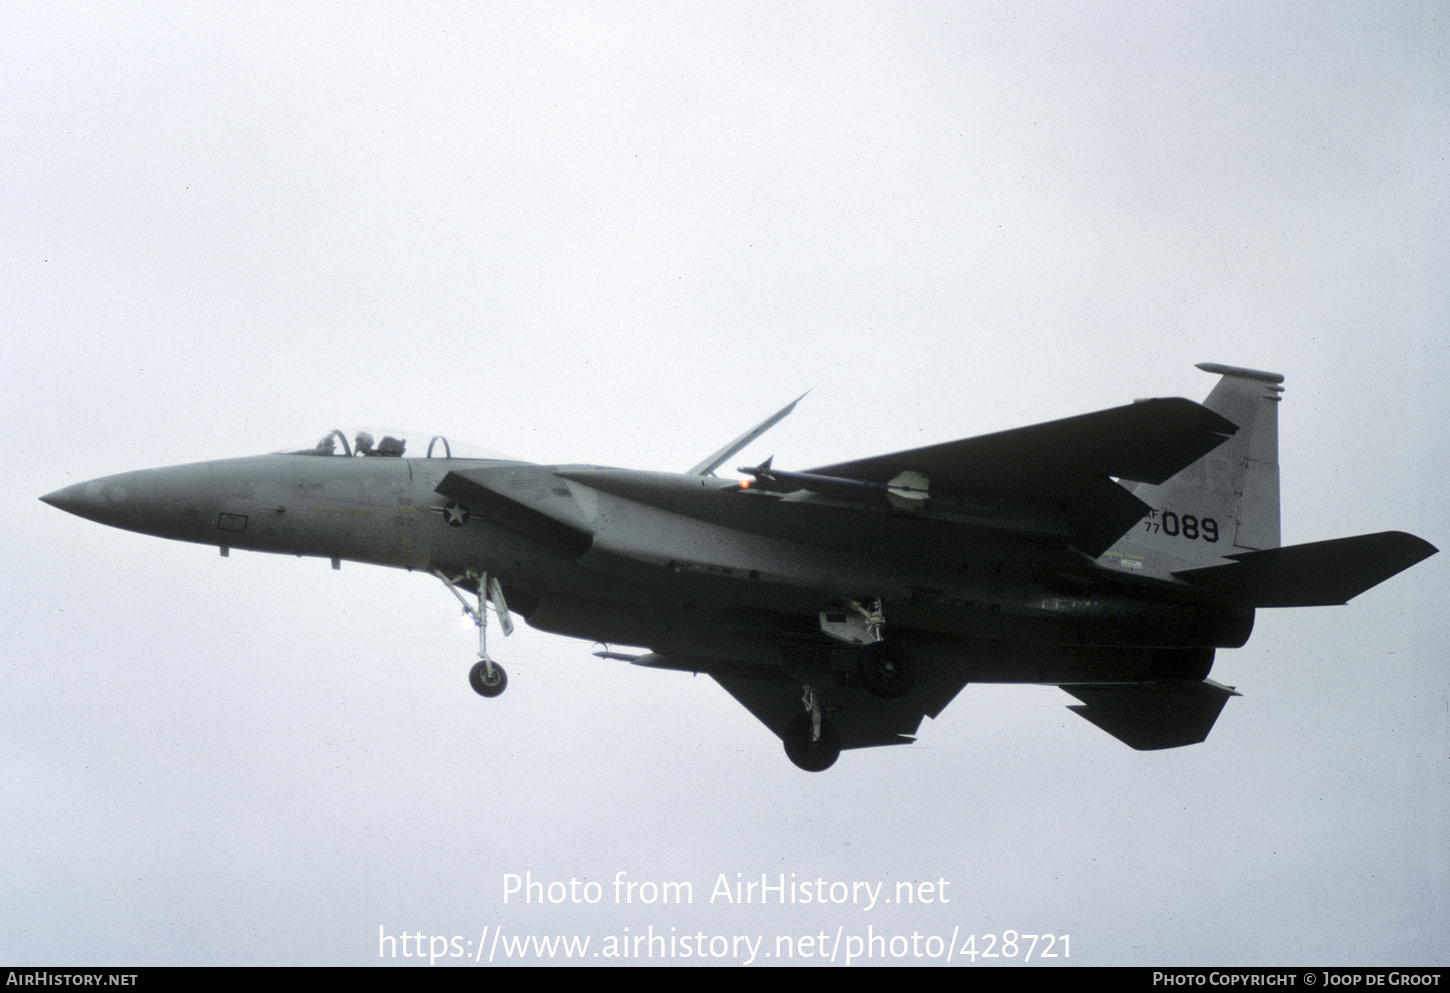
column 1110, row 554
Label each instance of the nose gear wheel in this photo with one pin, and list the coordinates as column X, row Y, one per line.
column 488, row 678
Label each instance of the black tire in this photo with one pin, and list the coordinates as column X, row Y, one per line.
column 885, row 670
column 812, row 757
column 478, row 679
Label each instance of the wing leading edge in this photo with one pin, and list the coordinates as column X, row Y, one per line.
column 1148, row 441
column 1071, row 462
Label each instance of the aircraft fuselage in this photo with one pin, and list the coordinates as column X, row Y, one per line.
column 1110, row 553
column 682, row 564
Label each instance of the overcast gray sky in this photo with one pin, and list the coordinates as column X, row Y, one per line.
column 621, row 234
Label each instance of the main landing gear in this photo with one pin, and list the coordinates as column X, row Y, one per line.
column 885, row 670
column 811, row 741
column 881, row 668
column 486, row 677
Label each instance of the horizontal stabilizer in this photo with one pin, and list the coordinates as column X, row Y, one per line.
column 1169, row 713
column 1319, row 574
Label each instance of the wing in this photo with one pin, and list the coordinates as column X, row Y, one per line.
column 1148, row 441
column 863, row 720
column 1145, row 715
column 1071, row 462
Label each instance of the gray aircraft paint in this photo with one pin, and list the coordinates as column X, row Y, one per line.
column 972, row 576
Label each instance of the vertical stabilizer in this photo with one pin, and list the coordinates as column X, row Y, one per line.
column 1250, row 399
column 1225, row 503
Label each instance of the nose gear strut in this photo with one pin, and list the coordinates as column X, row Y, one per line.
column 486, row 677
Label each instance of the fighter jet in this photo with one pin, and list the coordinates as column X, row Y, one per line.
column 1111, row 554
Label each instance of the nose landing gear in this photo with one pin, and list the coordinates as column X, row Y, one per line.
column 487, row 677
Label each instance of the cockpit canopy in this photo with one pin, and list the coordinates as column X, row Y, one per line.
column 393, row 445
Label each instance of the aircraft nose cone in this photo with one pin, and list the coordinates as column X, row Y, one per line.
column 122, row 501
column 73, row 499
column 169, row 503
